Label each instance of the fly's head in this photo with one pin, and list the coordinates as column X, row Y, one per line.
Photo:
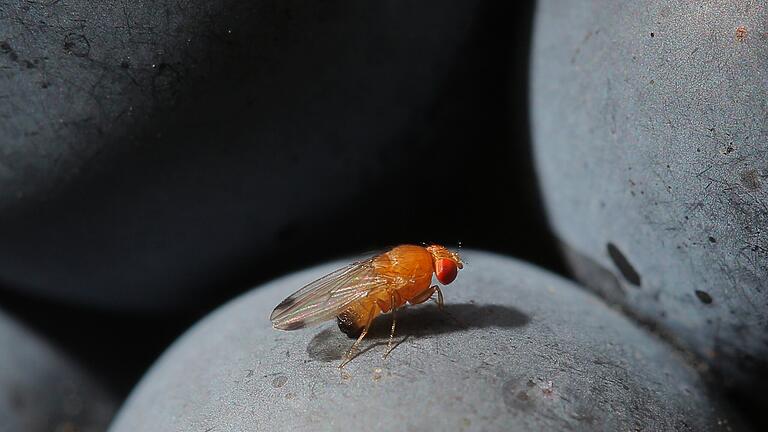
column 446, row 263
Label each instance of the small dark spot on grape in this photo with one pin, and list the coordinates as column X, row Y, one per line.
column 623, row 264
column 279, row 381
column 704, row 296
column 751, row 179
column 741, row 33
column 77, row 44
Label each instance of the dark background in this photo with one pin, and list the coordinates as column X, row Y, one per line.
column 175, row 191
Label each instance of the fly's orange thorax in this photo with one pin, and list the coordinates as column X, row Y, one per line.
column 408, row 264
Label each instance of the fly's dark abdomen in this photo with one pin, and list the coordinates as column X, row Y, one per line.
column 349, row 324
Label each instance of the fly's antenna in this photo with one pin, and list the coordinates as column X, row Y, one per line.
column 459, row 245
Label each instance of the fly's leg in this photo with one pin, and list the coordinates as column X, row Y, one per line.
column 427, row 294
column 392, row 331
column 348, row 357
column 439, row 297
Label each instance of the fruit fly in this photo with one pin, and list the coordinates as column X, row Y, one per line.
column 359, row 292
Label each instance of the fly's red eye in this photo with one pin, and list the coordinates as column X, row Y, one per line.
column 446, row 270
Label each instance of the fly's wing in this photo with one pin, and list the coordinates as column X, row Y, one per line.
column 328, row 296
